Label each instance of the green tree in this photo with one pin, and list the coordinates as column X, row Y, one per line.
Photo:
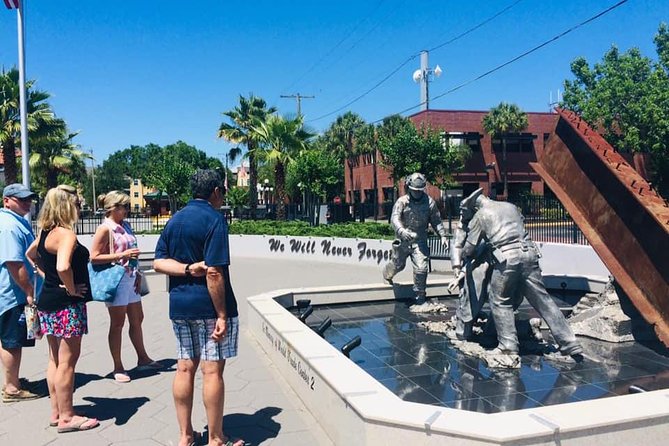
column 39, row 114
column 316, row 171
column 502, row 120
column 625, row 97
column 340, row 139
column 243, row 119
column 122, row 166
column 170, row 175
column 407, row 149
column 237, row 197
column 282, row 139
column 55, row 159
column 167, row 169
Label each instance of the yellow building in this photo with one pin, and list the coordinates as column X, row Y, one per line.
column 137, row 191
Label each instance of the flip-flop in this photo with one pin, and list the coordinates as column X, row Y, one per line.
column 237, row 442
column 196, row 439
column 153, row 365
column 83, row 424
column 122, row 377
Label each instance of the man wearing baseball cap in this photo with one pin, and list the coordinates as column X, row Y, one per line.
column 16, row 286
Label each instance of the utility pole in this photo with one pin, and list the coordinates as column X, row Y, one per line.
column 423, row 76
column 95, row 198
column 299, row 98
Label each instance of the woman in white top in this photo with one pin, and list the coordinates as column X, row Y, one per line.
column 128, row 301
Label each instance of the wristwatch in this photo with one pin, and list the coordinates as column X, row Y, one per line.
column 188, row 270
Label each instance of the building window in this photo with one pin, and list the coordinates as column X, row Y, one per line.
column 517, row 190
column 370, row 195
column 136, row 194
column 388, row 194
column 471, row 139
column 135, row 182
column 515, row 143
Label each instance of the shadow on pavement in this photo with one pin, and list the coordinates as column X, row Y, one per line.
column 81, row 379
column 167, row 366
column 252, row 428
column 120, row 409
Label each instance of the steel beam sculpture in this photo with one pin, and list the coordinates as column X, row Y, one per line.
column 624, row 219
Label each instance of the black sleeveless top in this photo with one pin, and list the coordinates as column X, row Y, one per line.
column 53, row 297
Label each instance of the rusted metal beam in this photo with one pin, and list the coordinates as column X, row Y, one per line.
column 625, row 220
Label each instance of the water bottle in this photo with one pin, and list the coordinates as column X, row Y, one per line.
column 133, row 263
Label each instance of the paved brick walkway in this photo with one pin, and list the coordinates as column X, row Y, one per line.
column 260, row 406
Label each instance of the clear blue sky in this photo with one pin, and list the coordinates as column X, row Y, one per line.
column 134, row 72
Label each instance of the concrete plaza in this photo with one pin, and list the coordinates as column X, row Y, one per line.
column 260, row 406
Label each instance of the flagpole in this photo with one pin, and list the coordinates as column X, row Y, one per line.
column 20, row 18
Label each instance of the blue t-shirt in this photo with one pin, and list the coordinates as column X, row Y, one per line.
column 196, row 233
column 16, row 235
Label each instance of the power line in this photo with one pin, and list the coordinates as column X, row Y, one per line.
column 414, row 56
column 348, row 51
column 470, row 30
column 526, row 53
column 299, row 98
column 378, row 84
column 342, row 40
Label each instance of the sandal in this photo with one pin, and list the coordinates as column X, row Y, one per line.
column 21, row 395
column 237, row 442
column 82, row 424
column 153, row 365
column 122, row 377
column 197, row 437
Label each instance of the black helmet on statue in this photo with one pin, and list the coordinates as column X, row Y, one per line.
column 416, row 181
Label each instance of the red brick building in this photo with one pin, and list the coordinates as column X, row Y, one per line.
column 464, row 126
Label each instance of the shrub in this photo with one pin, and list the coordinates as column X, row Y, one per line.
column 300, row 228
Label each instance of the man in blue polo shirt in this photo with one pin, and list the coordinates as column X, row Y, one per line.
column 16, row 287
column 193, row 250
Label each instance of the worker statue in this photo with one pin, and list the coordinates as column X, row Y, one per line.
column 514, row 260
column 472, row 277
column 411, row 216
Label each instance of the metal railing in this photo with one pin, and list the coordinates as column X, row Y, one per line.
column 139, row 223
column 546, row 219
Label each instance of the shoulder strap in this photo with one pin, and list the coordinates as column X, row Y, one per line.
column 111, row 239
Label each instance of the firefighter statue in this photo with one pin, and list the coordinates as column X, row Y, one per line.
column 411, row 216
column 515, row 274
column 472, row 276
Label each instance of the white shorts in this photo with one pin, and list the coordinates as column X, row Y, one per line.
column 125, row 293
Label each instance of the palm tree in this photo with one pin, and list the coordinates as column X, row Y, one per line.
column 367, row 144
column 500, row 121
column 53, row 153
column 340, row 138
column 244, row 118
column 39, row 115
column 282, row 139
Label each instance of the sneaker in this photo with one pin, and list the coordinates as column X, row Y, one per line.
column 21, row 395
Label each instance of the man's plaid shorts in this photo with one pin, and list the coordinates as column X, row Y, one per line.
column 194, row 339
